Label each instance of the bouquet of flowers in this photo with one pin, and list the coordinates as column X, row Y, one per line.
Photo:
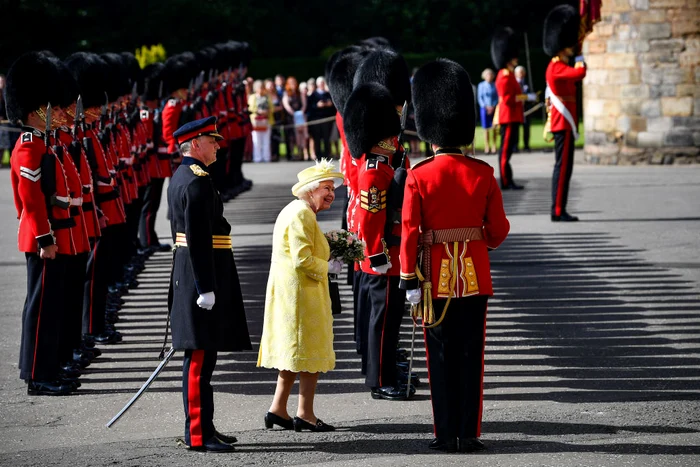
column 345, row 246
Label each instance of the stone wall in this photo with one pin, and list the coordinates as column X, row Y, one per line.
column 642, row 90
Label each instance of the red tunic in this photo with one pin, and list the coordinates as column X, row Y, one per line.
column 34, row 207
column 105, row 185
column 447, row 192
column 510, row 110
column 561, row 79
column 75, row 187
column 170, row 118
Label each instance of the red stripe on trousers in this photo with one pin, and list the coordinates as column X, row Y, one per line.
column 38, row 321
column 430, row 380
column 381, row 341
column 562, row 174
column 504, row 156
column 194, row 397
column 481, row 386
column 148, row 227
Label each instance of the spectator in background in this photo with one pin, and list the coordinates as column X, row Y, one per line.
column 520, row 78
column 322, row 105
column 5, row 132
column 261, row 113
column 279, row 86
column 488, row 99
column 310, row 116
column 276, row 119
column 294, row 103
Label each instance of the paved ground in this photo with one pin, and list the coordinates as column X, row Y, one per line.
column 593, row 344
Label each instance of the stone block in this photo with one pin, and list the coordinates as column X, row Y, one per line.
column 659, row 124
column 594, row 107
column 605, row 124
column 639, row 91
column 617, row 46
column 620, row 60
column 648, row 139
column 648, row 16
column 596, row 47
column 598, row 77
column 667, row 3
column 632, row 107
column 653, row 75
column 677, row 106
column 696, row 138
column 678, row 138
column 674, row 45
column 627, row 124
column 595, row 138
column 683, row 90
column 658, row 58
column 609, row 92
column 676, row 75
column 650, row 108
column 689, row 58
column 596, row 61
column 686, row 123
column 604, row 29
column 696, row 107
column 639, row 46
column 625, row 31
column 654, row 31
column 687, row 25
column 640, row 4
column 618, row 6
column 697, row 75
column 664, row 90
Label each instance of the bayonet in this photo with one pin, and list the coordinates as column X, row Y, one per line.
column 145, row 88
column 134, row 93
column 160, row 91
column 404, row 116
column 48, row 125
column 190, row 90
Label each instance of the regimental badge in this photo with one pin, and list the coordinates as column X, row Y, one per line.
column 27, row 137
column 373, row 200
column 144, row 114
column 172, row 102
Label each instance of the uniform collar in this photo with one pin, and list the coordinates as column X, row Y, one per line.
column 187, row 160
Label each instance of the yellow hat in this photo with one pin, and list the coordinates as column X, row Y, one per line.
column 323, row 170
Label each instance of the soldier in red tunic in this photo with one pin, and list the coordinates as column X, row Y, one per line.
column 509, row 111
column 560, row 37
column 453, row 212
column 43, row 202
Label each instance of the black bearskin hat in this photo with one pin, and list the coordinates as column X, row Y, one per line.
column 152, row 76
column 504, row 47
column 340, row 78
column 246, row 54
column 118, row 78
column 377, row 42
column 178, row 71
column 69, row 89
column 89, row 70
column 132, row 68
column 370, row 117
column 560, row 29
column 389, row 69
column 32, row 82
column 443, row 99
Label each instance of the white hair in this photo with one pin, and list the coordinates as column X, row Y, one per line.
column 323, row 164
column 519, row 68
column 320, row 80
column 308, row 188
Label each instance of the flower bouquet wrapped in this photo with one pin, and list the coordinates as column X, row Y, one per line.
column 346, row 248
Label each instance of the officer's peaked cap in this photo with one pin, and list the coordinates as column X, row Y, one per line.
column 32, row 82
column 388, row 68
column 370, row 116
column 504, row 47
column 201, row 127
column 443, row 99
column 560, row 29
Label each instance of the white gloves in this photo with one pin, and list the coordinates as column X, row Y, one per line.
column 413, row 296
column 383, row 269
column 531, row 97
column 334, row 266
column 206, row 300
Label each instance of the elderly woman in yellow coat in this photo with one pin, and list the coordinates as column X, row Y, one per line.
column 297, row 335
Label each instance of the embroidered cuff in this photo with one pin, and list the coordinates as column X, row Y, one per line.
column 409, row 284
column 46, row 240
column 380, row 259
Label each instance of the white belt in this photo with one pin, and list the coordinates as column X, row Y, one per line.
column 64, row 199
column 103, row 184
column 88, row 187
column 149, row 146
column 75, row 201
column 162, row 150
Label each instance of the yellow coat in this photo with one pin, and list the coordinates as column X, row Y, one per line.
column 298, row 327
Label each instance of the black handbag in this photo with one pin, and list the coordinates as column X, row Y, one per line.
column 334, row 290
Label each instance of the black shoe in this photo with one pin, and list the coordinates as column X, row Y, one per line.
column 107, row 338
column 213, row 444
column 48, row 388
column 515, row 186
column 72, row 382
column 225, row 438
column 272, row 419
column 471, row 445
column 163, row 247
column 391, row 393
column 69, row 371
column 300, row 424
column 565, row 217
column 446, row 445
column 402, row 376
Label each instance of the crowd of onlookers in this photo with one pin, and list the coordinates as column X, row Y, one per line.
column 301, row 115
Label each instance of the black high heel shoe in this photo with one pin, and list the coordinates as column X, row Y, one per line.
column 301, row 424
column 272, row 419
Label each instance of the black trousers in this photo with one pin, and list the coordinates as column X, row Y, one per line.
column 509, row 141
column 359, row 329
column 95, row 285
column 119, row 252
column 217, row 170
column 71, row 327
column 563, row 168
column 235, row 165
column 133, row 218
column 526, row 133
column 198, row 395
column 455, row 353
column 149, row 209
column 42, row 318
column 383, row 304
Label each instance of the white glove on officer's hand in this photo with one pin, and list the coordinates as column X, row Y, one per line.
column 206, row 300
column 383, row 269
column 334, row 266
column 413, row 296
column 531, row 97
